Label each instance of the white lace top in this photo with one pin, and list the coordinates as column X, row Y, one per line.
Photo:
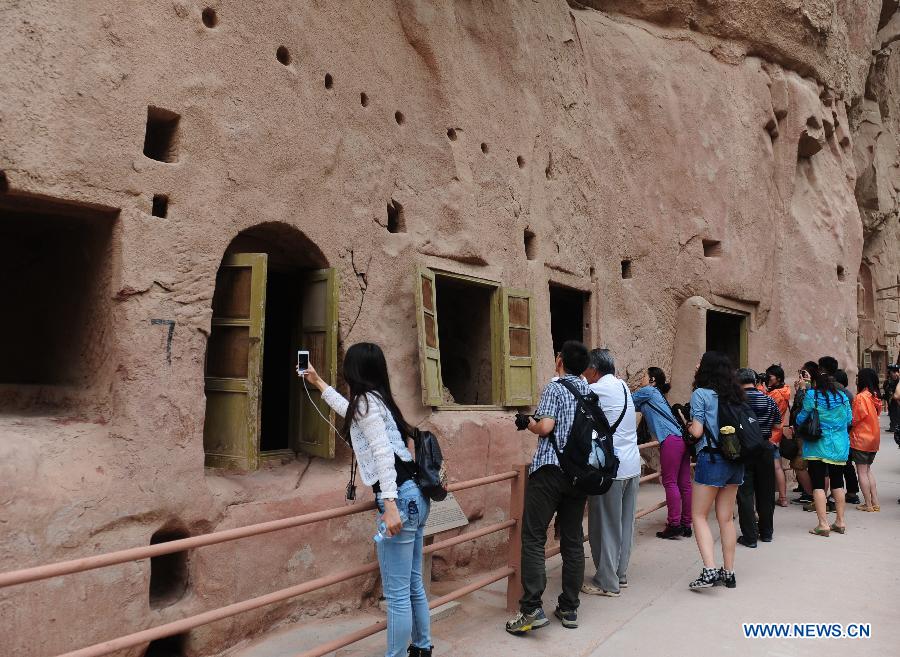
column 375, row 439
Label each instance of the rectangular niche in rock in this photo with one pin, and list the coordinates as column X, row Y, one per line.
column 56, row 283
column 161, row 136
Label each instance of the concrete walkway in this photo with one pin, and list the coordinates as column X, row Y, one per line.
column 854, row 578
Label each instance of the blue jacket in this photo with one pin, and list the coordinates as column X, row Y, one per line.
column 835, row 416
column 650, row 402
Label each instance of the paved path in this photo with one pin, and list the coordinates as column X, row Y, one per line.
column 796, row 578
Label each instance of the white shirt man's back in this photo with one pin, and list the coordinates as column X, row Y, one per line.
column 612, row 392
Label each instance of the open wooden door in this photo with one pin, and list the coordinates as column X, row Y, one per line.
column 429, row 344
column 318, row 332
column 233, row 359
column 519, row 374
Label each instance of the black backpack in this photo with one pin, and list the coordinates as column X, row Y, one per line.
column 430, row 472
column 574, row 459
column 746, row 442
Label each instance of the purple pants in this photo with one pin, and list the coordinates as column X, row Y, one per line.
column 675, row 472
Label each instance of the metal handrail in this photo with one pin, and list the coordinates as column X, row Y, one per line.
column 37, row 573
column 513, row 523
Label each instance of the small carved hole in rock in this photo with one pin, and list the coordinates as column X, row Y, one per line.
column 520, row 161
column 626, row 269
column 209, row 17
column 283, row 55
column 399, row 118
column 451, row 134
column 592, row 273
column 160, row 205
column 363, row 99
column 484, row 148
column 329, row 81
column 161, row 135
column 170, row 646
column 168, row 572
column 530, row 245
column 712, row 248
column 840, row 273
column 396, row 218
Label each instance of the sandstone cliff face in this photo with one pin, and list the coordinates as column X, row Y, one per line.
column 610, row 138
column 875, row 122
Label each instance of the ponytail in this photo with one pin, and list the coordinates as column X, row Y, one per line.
column 659, row 379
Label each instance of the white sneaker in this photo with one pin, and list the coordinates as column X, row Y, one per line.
column 590, row 589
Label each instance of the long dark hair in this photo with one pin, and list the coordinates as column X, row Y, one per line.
column 867, row 379
column 826, row 385
column 365, row 371
column 716, row 373
column 659, row 379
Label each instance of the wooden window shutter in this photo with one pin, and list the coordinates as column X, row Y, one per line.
column 233, row 359
column 519, row 374
column 429, row 344
column 318, row 333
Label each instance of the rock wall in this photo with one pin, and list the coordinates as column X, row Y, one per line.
column 874, row 119
column 607, row 137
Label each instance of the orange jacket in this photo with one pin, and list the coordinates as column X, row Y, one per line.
column 782, row 398
column 865, row 433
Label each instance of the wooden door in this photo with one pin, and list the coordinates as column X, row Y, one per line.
column 517, row 338
column 317, row 332
column 233, row 363
column 429, row 343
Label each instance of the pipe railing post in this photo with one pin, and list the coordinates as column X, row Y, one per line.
column 514, row 546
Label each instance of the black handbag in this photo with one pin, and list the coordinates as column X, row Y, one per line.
column 788, row 448
column 811, row 429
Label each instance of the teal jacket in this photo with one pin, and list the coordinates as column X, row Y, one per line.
column 834, row 416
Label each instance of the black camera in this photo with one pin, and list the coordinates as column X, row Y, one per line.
column 522, row 421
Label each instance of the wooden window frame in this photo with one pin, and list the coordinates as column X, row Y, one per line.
column 498, row 345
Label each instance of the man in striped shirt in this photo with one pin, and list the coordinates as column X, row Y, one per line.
column 549, row 492
column 756, row 496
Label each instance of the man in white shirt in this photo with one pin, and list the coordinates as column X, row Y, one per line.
column 611, row 516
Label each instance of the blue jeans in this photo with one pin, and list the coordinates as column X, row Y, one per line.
column 400, row 559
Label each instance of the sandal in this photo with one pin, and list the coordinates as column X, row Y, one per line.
column 783, row 502
column 815, row 531
column 839, row 530
column 863, row 507
column 876, row 508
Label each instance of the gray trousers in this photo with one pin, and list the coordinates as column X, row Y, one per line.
column 611, row 532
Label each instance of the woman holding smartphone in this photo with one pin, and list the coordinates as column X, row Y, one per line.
column 377, row 433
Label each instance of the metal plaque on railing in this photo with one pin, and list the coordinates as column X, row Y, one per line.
column 444, row 516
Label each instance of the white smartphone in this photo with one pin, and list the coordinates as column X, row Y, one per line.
column 302, row 360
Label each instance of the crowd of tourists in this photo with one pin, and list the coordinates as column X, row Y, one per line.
column 738, row 434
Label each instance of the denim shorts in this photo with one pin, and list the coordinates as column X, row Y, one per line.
column 716, row 470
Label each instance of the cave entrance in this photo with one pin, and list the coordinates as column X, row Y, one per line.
column 273, row 296
column 466, row 309
column 56, row 284
column 568, row 309
column 726, row 332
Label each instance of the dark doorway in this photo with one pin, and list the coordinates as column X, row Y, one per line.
column 725, row 333
column 171, row 646
column 464, row 334
column 168, row 572
column 55, row 281
column 282, row 304
column 567, row 312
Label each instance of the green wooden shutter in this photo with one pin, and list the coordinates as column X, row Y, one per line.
column 233, row 359
column 317, row 333
column 429, row 344
column 519, row 375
